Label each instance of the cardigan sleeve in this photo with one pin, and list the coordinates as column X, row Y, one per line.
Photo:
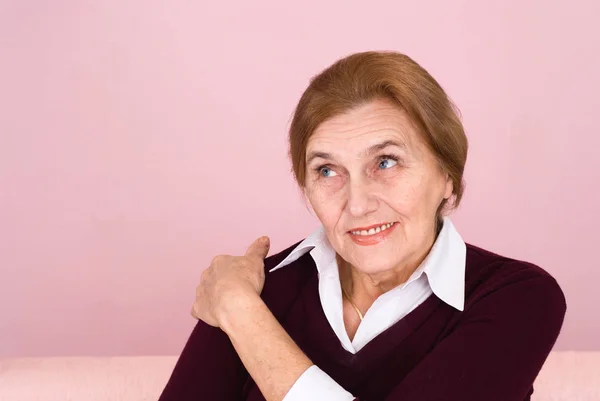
column 207, row 369
column 497, row 350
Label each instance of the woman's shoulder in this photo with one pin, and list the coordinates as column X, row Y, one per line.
column 490, row 274
column 273, row 260
column 481, row 261
column 284, row 284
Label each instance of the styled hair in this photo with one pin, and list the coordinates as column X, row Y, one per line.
column 362, row 77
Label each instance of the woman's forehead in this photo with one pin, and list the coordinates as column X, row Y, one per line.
column 363, row 126
column 363, row 139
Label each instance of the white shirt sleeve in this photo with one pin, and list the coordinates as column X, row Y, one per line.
column 316, row 385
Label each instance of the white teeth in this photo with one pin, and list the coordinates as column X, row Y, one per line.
column 372, row 231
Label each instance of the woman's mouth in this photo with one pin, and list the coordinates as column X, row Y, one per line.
column 373, row 234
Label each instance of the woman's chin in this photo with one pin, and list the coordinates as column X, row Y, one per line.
column 375, row 264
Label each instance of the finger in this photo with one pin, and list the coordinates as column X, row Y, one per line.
column 259, row 248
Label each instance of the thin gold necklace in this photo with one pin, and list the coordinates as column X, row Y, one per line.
column 360, row 315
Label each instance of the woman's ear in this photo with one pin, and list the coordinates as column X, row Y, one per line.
column 449, row 190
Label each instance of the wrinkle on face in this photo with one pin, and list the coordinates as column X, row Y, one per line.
column 359, row 193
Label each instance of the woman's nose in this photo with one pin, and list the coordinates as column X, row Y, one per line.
column 361, row 201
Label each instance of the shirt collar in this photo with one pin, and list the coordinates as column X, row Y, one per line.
column 319, row 247
column 444, row 265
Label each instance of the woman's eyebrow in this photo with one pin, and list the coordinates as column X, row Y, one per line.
column 317, row 155
column 372, row 149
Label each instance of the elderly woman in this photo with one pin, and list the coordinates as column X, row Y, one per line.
column 384, row 301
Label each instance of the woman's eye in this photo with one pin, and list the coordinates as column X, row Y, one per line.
column 387, row 163
column 326, row 172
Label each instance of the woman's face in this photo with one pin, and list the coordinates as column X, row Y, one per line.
column 375, row 187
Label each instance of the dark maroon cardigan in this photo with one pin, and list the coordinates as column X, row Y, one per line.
column 492, row 351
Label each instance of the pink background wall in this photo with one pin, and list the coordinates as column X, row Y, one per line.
column 140, row 138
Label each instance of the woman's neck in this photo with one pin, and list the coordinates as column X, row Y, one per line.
column 366, row 288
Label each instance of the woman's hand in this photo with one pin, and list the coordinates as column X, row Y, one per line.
column 228, row 279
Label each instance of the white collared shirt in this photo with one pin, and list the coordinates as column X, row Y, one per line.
column 441, row 273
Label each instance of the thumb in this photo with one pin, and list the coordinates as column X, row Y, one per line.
column 259, row 248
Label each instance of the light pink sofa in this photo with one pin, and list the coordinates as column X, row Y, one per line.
column 567, row 376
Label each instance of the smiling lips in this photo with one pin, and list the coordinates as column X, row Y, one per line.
column 371, row 235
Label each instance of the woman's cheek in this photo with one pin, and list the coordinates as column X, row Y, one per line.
column 401, row 190
column 328, row 210
column 391, row 177
column 327, row 193
column 329, row 186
